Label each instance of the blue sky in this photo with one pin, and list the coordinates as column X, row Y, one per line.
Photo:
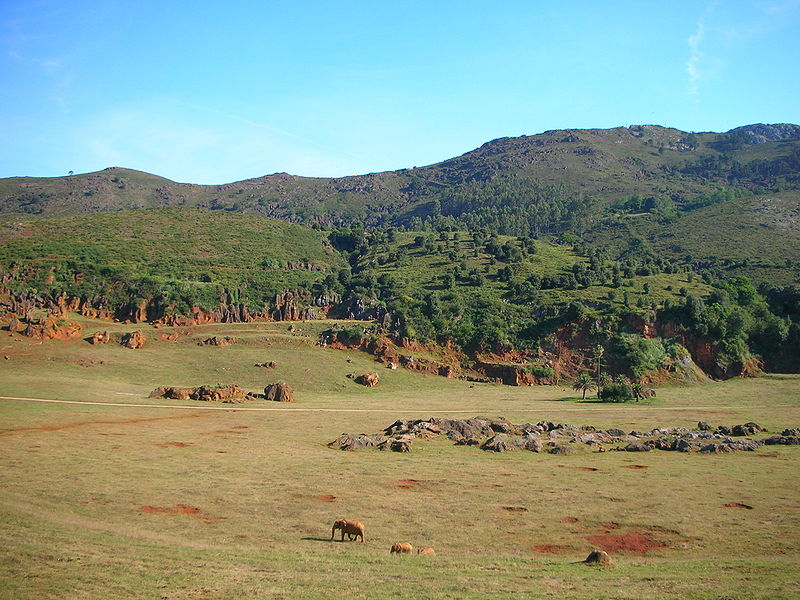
column 207, row 92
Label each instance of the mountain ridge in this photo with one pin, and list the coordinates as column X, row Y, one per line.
column 551, row 156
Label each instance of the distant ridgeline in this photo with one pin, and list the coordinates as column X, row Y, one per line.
column 656, row 245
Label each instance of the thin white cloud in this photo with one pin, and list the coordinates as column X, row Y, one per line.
column 270, row 128
column 154, row 138
column 695, row 56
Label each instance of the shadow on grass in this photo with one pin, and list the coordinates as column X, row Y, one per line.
column 327, row 539
column 578, row 400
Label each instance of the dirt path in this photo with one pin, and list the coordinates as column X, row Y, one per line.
column 234, row 408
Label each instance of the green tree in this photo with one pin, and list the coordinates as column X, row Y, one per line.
column 583, row 383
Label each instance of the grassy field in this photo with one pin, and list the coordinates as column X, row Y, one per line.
column 236, row 501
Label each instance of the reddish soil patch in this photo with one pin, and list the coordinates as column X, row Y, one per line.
column 407, row 484
column 610, row 525
column 178, row 509
column 325, row 498
column 737, row 505
column 771, row 455
column 551, row 548
column 587, row 469
column 569, row 520
column 635, row 542
column 85, row 423
column 175, row 444
column 635, row 467
column 515, row 508
column 240, row 427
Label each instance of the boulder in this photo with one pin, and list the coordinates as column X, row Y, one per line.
column 447, row 371
column 716, row 449
column 356, row 442
column 173, row 393
column 598, row 557
column 468, row 441
column 561, row 449
column 703, row 426
column 133, row 340
column 782, row 440
column 497, row 443
column 15, row 325
column 400, row 444
column 531, row 443
column 640, row 446
column 686, row 446
column 746, row 429
column 279, row 392
column 368, row 379
column 100, row 337
column 267, row 365
column 665, row 443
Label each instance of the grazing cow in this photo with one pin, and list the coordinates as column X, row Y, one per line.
column 401, row 549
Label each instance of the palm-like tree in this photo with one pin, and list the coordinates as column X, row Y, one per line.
column 583, row 383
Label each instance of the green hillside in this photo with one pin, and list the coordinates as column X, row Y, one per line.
column 672, row 188
column 191, row 255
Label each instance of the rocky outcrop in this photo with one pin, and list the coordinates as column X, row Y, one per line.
column 507, row 374
column 761, row 133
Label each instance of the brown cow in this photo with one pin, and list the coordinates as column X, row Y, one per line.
column 353, row 529
column 401, row 549
column 426, row 551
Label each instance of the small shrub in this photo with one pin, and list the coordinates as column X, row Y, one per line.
column 616, row 392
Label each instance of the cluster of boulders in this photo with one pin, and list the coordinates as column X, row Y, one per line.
column 277, row 392
column 47, row 327
column 219, row 393
column 560, row 438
